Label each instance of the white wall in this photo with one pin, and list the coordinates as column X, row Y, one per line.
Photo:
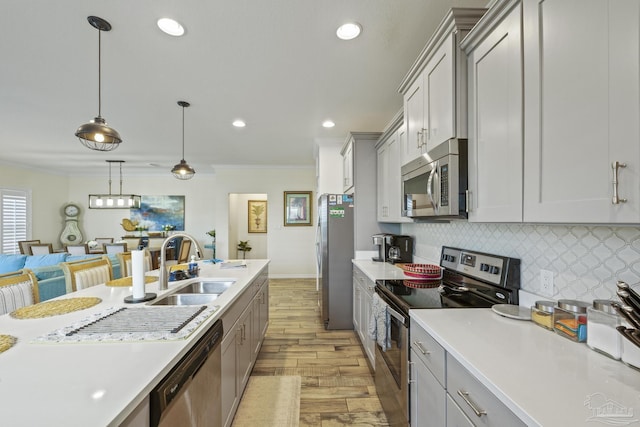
column 239, row 227
column 291, row 249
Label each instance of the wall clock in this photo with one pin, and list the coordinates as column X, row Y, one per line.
column 71, row 234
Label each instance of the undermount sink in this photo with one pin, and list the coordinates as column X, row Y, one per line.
column 205, row 287
column 186, row 299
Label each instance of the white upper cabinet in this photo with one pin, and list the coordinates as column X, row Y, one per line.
column 389, row 179
column 435, row 89
column 347, row 167
column 494, row 52
column 582, row 111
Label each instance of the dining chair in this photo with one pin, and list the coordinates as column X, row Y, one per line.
column 125, row 262
column 86, row 273
column 18, row 289
column 40, row 248
column 155, row 242
column 133, row 243
column 77, row 249
column 114, row 248
column 185, row 249
column 23, row 245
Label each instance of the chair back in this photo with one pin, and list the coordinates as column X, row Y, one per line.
column 114, row 248
column 40, row 248
column 18, row 289
column 102, row 240
column 23, row 245
column 185, row 248
column 77, row 249
column 133, row 243
column 155, row 242
column 86, row 273
column 125, row 262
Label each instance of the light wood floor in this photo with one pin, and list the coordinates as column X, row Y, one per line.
column 337, row 387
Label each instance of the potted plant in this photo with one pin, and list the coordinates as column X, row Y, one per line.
column 244, row 247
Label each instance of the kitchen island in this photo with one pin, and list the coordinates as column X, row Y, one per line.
column 541, row 377
column 103, row 383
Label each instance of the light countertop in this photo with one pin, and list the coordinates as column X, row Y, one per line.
column 379, row 270
column 95, row 384
column 545, row 379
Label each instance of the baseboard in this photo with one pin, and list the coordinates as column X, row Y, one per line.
column 292, row 276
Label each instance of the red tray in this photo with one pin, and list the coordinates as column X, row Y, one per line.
column 423, row 271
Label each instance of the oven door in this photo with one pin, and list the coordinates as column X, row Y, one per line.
column 391, row 368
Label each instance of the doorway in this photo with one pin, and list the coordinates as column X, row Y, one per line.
column 248, row 222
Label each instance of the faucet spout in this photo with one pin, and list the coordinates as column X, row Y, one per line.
column 163, row 278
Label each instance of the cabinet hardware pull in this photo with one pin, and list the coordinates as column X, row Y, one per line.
column 465, row 396
column 615, row 166
column 419, row 139
column 467, row 195
column 421, row 348
column 409, row 372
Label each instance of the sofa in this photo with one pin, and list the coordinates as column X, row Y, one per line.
column 51, row 282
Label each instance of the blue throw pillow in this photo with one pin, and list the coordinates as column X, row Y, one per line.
column 48, row 272
column 9, row 263
column 45, row 260
column 79, row 257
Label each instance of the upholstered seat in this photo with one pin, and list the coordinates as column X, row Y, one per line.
column 77, row 249
column 114, row 248
column 86, row 273
column 18, row 289
column 24, row 246
column 133, row 243
column 40, row 248
column 125, row 262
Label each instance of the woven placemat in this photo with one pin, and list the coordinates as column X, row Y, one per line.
column 6, row 342
column 128, row 281
column 54, row 308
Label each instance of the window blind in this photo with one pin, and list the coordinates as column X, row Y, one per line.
column 14, row 211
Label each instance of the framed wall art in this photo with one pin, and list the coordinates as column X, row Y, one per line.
column 297, row 208
column 257, row 210
column 158, row 211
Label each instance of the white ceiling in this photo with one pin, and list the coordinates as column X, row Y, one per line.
column 276, row 64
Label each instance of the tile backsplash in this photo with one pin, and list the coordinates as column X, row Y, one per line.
column 586, row 260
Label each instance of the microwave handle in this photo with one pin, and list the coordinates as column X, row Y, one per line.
column 431, row 182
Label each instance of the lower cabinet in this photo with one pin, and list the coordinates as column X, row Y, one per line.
column 245, row 324
column 363, row 289
column 427, row 396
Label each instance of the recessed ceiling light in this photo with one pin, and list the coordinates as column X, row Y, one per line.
column 349, row 31
column 328, row 124
column 239, row 123
column 171, row 27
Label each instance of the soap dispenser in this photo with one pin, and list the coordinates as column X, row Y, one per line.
column 193, row 266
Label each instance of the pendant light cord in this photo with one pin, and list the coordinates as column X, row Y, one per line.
column 99, row 73
column 183, row 132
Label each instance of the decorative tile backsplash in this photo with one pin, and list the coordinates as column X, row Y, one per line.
column 586, row 260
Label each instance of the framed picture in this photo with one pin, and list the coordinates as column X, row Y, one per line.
column 158, row 211
column 257, row 216
column 297, row 208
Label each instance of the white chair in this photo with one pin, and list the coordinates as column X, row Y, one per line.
column 114, row 248
column 40, row 248
column 125, row 262
column 24, row 245
column 86, row 273
column 77, row 249
column 133, row 243
column 18, row 289
column 102, row 240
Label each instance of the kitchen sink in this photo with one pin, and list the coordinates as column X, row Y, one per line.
column 205, row 287
column 186, row 299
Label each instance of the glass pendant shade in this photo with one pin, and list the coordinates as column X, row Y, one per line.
column 96, row 134
column 114, row 201
column 182, row 170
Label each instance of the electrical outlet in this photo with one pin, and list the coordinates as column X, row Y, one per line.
column 546, row 283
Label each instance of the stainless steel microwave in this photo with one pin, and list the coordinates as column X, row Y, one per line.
column 435, row 184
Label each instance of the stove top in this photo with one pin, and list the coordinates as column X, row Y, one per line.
column 469, row 280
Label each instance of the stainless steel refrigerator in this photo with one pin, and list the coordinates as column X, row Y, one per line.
column 334, row 249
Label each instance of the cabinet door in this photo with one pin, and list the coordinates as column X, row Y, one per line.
column 229, row 383
column 582, row 110
column 368, row 343
column 347, row 168
column 455, row 416
column 439, row 94
column 245, row 350
column 414, row 121
column 427, row 404
column 495, row 124
column 382, row 160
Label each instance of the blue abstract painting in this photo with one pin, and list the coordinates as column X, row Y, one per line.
column 158, row 211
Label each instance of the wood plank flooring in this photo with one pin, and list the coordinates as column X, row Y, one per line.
column 337, row 386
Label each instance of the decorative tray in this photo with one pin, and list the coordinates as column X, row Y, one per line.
column 423, row 271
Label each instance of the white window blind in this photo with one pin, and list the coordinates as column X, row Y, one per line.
column 15, row 218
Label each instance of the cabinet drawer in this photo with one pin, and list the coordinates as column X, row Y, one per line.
column 471, row 396
column 428, row 351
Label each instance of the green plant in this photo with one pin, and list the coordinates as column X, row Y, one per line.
column 212, row 233
column 244, row 247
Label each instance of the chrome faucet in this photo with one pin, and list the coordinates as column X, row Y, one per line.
column 163, row 278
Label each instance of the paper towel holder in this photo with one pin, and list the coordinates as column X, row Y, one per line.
column 147, row 297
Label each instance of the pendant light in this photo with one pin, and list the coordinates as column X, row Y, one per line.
column 96, row 134
column 182, row 170
column 114, row 201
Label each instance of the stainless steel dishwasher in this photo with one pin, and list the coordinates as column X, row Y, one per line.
column 190, row 394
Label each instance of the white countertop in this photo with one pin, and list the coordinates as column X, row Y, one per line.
column 379, row 270
column 545, row 379
column 94, row 384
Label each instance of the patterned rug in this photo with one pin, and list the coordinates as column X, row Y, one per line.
column 270, row 401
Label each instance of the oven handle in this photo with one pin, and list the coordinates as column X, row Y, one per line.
column 395, row 314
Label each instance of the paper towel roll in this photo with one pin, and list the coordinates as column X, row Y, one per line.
column 137, row 274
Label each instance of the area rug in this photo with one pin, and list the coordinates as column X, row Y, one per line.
column 270, row 401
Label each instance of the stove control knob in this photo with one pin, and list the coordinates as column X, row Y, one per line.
column 449, row 258
column 494, row 270
column 484, row 267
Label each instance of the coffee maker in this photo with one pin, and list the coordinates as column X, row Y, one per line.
column 379, row 240
column 398, row 249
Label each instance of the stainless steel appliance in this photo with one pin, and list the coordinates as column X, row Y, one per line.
column 435, row 184
column 335, row 250
column 399, row 248
column 470, row 279
column 190, row 394
column 379, row 242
